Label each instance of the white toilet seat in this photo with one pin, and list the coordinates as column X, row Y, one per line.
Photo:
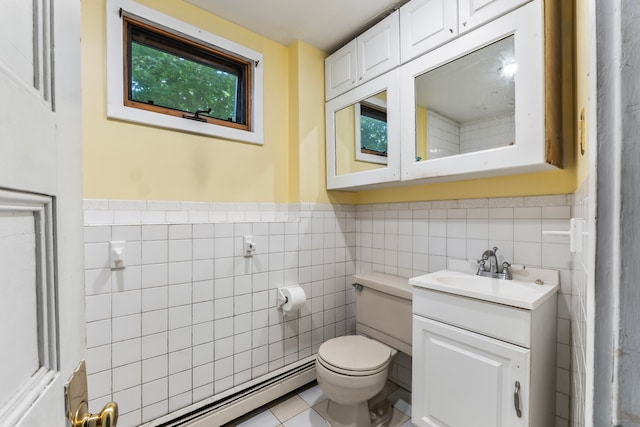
column 354, row 355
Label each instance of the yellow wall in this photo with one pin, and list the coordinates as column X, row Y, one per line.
column 582, row 85
column 130, row 161
column 345, row 141
column 308, row 130
column 345, row 144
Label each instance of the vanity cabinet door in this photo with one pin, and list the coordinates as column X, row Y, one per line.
column 476, row 12
column 426, row 24
column 340, row 70
column 463, row 379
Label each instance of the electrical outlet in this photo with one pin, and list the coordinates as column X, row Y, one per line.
column 249, row 246
column 117, row 254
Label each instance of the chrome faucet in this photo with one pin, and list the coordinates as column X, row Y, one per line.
column 490, row 255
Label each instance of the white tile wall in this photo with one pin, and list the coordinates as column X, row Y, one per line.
column 190, row 317
column 575, row 312
column 496, row 132
column 446, row 137
column 443, row 136
column 433, row 232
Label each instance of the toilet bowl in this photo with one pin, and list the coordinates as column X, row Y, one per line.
column 353, row 369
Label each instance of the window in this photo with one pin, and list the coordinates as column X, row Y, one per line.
column 173, row 75
column 371, row 130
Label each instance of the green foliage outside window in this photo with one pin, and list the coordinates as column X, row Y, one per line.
column 166, row 80
column 373, row 133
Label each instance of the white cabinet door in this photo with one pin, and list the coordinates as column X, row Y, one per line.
column 426, row 24
column 379, row 48
column 476, row 12
column 463, row 379
column 340, row 70
column 41, row 274
column 374, row 52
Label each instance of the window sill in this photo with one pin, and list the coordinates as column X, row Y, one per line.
column 135, row 115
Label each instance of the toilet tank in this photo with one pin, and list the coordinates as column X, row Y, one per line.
column 383, row 309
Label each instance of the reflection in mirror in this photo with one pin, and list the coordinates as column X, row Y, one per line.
column 361, row 135
column 468, row 104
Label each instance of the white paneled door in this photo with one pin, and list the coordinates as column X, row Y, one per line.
column 41, row 277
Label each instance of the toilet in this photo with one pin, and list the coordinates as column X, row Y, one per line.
column 353, row 369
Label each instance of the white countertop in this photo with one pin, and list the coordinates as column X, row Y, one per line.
column 528, row 289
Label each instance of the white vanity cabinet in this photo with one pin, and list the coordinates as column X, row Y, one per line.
column 374, row 52
column 480, row 363
column 466, row 379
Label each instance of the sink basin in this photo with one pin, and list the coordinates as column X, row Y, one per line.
column 526, row 291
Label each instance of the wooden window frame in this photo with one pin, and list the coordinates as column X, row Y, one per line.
column 115, row 96
column 201, row 50
column 377, row 112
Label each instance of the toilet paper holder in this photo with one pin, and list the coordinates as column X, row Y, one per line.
column 282, row 298
column 290, row 299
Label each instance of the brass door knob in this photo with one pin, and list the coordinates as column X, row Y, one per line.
column 108, row 417
column 76, row 397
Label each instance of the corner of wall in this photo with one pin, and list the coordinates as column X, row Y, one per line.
column 308, row 128
column 294, row 123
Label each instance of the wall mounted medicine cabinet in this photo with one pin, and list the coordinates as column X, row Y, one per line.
column 363, row 134
column 485, row 101
column 479, row 103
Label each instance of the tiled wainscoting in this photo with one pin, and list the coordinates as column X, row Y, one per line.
column 190, row 317
column 581, row 275
column 447, row 137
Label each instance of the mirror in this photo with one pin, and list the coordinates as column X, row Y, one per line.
column 361, row 135
column 468, row 104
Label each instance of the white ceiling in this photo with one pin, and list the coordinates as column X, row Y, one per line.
column 325, row 24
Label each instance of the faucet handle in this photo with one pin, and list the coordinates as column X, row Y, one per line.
column 506, row 273
column 481, row 265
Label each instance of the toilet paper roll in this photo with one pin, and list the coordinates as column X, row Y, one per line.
column 293, row 298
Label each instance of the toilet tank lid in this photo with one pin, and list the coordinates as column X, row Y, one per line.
column 393, row 285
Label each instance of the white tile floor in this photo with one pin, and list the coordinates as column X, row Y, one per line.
column 306, row 407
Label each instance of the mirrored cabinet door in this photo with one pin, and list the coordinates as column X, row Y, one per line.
column 362, row 133
column 467, row 104
column 475, row 107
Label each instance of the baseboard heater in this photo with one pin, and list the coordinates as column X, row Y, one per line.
column 230, row 407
